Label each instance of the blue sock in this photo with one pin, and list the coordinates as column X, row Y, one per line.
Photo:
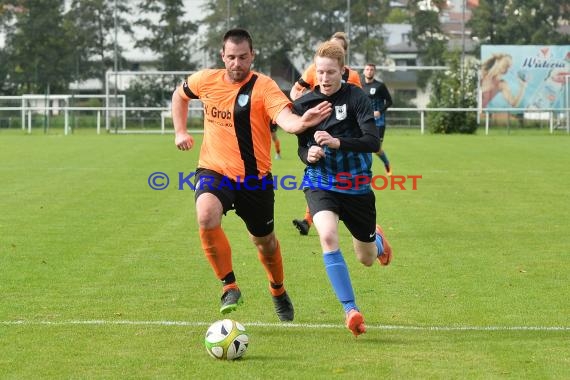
column 384, row 158
column 340, row 279
column 379, row 244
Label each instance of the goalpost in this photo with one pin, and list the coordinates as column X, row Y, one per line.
column 51, row 104
column 29, row 106
column 144, row 108
column 563, row 115
column 148, row 93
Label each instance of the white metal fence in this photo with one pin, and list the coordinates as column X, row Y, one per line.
column 122, row 119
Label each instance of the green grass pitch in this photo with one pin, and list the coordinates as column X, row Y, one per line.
column 102, row 277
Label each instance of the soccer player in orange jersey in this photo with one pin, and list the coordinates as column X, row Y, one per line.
column 235, row 161
column 308, row 80
column 306, row 83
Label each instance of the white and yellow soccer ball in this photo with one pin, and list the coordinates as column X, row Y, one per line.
column 226, row 340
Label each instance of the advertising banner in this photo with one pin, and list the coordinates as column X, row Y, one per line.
column 527, row 77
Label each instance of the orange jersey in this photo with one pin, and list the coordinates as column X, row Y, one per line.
column 309, row 78
column 237, row 137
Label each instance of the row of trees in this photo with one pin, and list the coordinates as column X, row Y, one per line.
column 48, row 46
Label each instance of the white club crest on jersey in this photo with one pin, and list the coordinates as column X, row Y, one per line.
column 243, row 100
column 372, row 91
column 340, row 112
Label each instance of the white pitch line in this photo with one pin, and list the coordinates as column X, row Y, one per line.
column 287, row 325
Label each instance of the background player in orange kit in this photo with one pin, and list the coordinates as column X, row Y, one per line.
column 276, row 141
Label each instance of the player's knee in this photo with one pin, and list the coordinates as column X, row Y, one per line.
column 267, row 245
column 208, row 218
column 328, row 238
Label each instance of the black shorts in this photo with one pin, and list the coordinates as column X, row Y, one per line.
column 358, row 212
column 253, row 200
column 273, row 127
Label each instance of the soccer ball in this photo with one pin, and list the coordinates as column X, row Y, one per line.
column 226, row 340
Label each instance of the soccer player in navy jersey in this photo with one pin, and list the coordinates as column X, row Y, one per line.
column 338, row 154
column 381, row 101
column 307, row 82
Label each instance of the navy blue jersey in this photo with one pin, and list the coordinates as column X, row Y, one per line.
column 352, row 122
column 380, row 98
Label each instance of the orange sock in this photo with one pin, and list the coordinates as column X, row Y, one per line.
column 233, row 285
column 308, row 216
column 274, row 268
column 278, row 146
column 218, row 251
